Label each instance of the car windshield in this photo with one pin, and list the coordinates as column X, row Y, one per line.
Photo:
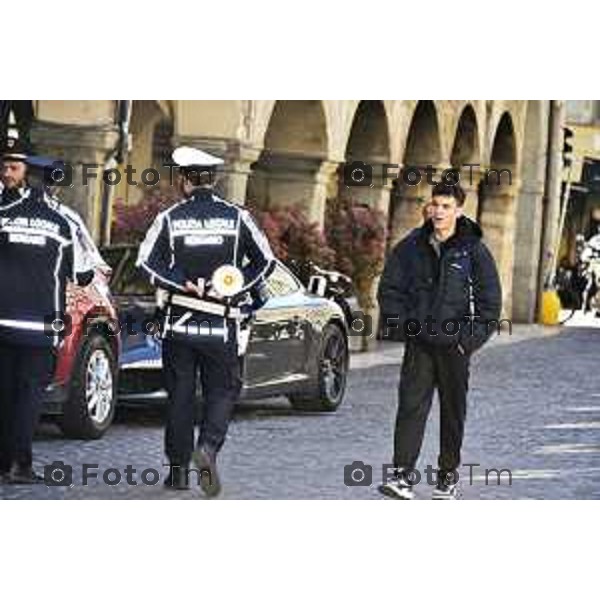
column 281, row 282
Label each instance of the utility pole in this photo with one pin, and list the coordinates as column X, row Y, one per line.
column 552, row 192
column 115, row 157
column 567, row 163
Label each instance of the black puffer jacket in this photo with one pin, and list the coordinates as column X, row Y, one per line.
column 420, row 293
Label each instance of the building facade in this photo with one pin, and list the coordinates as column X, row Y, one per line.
column 583, row 119
column 293, row 152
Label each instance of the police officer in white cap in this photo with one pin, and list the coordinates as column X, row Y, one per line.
column 209, row 262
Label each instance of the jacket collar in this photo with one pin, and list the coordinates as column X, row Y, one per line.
column 467, row 232
column 11, row 196
column 202, row 194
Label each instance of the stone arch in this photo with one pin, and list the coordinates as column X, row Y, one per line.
column 369, row 143
column 151, row 129
column 423, row 142
column 497, row 203
column 298, row 128
column 504, row 147
column 292, row 167
column 529, row 213
column 465, row 148
column 465, row 153
column 423, row 147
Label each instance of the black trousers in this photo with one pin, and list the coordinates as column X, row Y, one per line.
column 218, row 366
column 426, row 367
column 25, row 372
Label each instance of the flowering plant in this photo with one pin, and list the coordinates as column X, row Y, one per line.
column 293, row 238
column 356, row 232
column 131, row 221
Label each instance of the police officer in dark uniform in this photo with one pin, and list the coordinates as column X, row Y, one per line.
column 209, row 261
column 37, row 257
column 91, row 262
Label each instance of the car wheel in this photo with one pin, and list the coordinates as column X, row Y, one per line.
column 90, row 407
column 332, row 373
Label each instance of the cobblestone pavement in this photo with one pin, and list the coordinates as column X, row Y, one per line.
column 534, row 408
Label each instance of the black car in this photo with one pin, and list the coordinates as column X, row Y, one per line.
column 298, row 344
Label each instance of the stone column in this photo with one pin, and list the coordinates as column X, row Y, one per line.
column 552, row 200
column 498, row 216
column 528, row 233
column 78, row 145
column 237, row 169
column 469, row 181
column 376, row 194
column 288, row 180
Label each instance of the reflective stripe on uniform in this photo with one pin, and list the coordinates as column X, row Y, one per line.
column 29, row 325
column 188, row 325
column 148, row 244
column 192, row 330
column 262, row 244
column 163, row 298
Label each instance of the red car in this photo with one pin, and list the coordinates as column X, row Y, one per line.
column 83, row 395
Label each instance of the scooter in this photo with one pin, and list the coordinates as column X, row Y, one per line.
column 579, row 287
column 329, row 284
column 336, row 286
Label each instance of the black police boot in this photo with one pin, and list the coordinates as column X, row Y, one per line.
column 4, row 469
column 3, row 476
column 21, row 475
column 205, row 460
column 177, row 479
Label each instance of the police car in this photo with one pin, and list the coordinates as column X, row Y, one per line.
column 298, row 342
column 82, row 397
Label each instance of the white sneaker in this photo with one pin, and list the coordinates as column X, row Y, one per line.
column 398, row 487
column 445, row 491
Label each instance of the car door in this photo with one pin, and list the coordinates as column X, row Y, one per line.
column 277, row 342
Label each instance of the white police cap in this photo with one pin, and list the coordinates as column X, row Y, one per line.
column 186, row 156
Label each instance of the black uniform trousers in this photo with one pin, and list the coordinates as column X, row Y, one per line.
column 25, row 372
column 426, row 367
column 218, row 365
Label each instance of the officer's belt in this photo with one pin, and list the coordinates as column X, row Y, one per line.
column 214, row 308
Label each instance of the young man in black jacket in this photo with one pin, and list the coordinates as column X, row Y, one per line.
column 440, row 293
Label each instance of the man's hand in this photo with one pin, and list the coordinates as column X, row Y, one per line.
column 212, row 293
column 202, row 291
column 192, row 288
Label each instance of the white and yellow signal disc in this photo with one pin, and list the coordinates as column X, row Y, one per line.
column 227, row 281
